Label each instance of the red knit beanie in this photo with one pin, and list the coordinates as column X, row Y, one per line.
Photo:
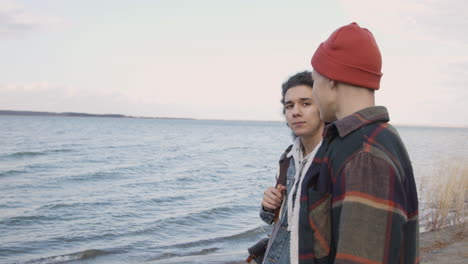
column 350, row 55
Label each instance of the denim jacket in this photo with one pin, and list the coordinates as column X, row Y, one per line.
column 279, row 242
column 279, row 246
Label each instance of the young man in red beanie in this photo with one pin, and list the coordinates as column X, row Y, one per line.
column 361, row 199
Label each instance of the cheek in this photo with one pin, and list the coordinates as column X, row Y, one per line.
column 288, row 118
column 314, row 92
column 317, row 95
column 316, row 112
column 316, row 109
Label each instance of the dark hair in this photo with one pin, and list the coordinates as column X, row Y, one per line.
column 301, row 78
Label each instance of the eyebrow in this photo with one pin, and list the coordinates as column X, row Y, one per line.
column 300, row 99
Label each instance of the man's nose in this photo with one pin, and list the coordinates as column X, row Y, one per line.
column 296, row 110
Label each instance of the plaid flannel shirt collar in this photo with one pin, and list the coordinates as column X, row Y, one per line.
column 342, row 127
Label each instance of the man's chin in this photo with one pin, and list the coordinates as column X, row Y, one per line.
column 298, row 132
column 302, row 133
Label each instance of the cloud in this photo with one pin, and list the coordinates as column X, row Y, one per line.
column 16, row 20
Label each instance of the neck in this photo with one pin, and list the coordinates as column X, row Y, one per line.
column 352, row 99
column 309, row 143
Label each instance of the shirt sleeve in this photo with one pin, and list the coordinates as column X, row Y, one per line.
column 267, row 215
column 369, row 211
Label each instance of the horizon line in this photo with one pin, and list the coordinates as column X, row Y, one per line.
column 220, row 119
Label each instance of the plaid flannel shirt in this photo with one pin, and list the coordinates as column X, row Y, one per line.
column 359, row 201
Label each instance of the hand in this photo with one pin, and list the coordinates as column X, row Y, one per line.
column 273, row 197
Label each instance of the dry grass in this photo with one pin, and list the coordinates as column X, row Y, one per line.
column 446, row 197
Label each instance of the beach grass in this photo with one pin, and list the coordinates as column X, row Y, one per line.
column 447, row 196
column 445, row 202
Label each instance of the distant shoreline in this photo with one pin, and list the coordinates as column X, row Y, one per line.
column 75, row 114
column 78, row 114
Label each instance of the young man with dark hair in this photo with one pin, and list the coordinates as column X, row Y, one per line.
column 361, row 205
column 302, row 117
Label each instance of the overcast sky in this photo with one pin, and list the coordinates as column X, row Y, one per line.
column 218, row 59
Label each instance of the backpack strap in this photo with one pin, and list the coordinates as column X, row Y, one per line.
column 284, row 165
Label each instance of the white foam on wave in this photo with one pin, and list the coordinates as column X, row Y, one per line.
column 91, row 253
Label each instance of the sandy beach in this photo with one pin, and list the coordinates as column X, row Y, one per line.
column 448, row 245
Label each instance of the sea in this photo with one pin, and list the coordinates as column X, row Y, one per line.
column 130, row 190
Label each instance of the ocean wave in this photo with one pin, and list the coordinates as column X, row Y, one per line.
column 161, row 225
column 234, row 237
column 88, row 237
column 108, row 172
column 187, row 257
column 25, row 220
column 100, row 175
column 220, row 257
column 87, row 254
column 167, row 199
column 203, row 215
column 169, row 255
column 236, row 148
column 214, row 213
column 71, row 205
column 25, row 154
column 10, row 173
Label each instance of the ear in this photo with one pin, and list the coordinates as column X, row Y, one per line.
column 332, row 84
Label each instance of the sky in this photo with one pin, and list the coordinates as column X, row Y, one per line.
column 219, row 59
